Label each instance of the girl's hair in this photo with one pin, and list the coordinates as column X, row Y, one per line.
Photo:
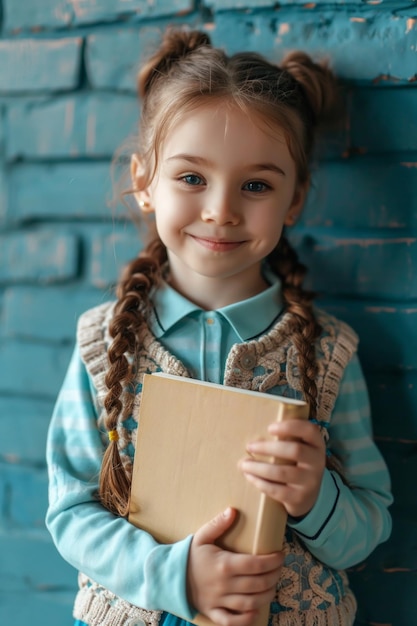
column 185, row 73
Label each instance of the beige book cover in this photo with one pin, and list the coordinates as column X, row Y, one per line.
column 190, row 438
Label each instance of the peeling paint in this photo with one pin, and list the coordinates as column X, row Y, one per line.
column 69, row 118
column 411, row 442
column 91, row 132
column 366, row 243
column 380, row 309
column 410, row 24
column 284, row 28
column 396, row 570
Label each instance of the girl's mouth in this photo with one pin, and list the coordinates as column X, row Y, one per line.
column 217, row 245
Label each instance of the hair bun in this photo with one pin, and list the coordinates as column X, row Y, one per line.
column 317, row 82
column 176, row 44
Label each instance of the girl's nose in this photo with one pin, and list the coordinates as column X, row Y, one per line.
column 221, row 209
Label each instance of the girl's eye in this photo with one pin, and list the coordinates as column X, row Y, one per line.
column 256, row 186
column 192, row 179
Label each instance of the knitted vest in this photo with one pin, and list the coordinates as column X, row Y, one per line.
column 309, row 593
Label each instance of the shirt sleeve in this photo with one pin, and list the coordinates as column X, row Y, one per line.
column 350, row 517
column 107, row 548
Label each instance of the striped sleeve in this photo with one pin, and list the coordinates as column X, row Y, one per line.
column 350, row 518
column 115, row 554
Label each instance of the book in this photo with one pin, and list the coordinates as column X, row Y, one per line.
column 190, row 438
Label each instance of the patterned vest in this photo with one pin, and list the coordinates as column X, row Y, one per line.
column 309, row 593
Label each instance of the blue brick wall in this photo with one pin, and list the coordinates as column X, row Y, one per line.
column 67, row 101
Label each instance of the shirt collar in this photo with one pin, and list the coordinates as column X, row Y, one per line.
column 252, row 317
column 248, row 318
column 169, row 308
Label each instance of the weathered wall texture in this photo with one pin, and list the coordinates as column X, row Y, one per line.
column 67, row 78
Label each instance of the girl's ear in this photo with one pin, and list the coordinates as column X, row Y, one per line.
column 141, row 192
column 297, row 204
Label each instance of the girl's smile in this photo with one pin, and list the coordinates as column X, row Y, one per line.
column 221, row 193
column 217, row 245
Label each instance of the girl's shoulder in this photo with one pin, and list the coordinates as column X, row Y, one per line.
column 335, row 331
column 93, row 340
column 95, row 319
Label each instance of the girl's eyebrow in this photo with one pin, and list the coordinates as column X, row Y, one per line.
column 189, row 157
column 255, row 167
column 261, row 167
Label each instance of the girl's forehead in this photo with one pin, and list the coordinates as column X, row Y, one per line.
column 222, row 121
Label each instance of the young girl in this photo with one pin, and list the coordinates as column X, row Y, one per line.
column 222, row 166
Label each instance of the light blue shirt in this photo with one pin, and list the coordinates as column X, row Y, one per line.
column 344, row 526
column 203, row 339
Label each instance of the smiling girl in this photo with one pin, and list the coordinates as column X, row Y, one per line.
column 222, row 164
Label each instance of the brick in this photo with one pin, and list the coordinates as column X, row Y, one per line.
column 393, row 400
column 108, row 10
column 33, row 369
column 364, row 46
column 30, row 562
column 370, row 110
column 27, row 497
column 2, row 131
column 47, row 313
column 55, row 607
column 30, row 65
column 67, row 190
column 110, row 250
column 42, row 13
column 245, row 5
column 363, row 265
column 386, row 593
column 3, row 196
column 41, row 256
column 395, row 323
column 364, row 193
column 225, row 5
column 64, row 13
column 71, row 127
column 25, row 420
column 401, row 458
column 113, row 58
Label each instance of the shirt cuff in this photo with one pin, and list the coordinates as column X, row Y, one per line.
column 313, row 524
column 166, row 571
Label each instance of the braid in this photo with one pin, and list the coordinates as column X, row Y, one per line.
column 305, row 328
column 137, row 280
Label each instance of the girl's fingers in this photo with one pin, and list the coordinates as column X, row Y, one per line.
column 223, row 617
column 215, row 528
column 255, row 585
column 259, row 565
column 296, row 429
column 270, row 471
column 250, row 602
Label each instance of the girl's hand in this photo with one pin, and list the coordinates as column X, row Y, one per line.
column 295, row 477
column 228, row 587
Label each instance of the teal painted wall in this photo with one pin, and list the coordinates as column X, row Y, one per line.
column 67, row 76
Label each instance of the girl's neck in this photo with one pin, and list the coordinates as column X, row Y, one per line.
column 212, row 294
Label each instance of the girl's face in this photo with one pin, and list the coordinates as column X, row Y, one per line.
column 223, row 189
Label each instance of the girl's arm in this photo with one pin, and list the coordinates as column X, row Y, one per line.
column 111, row 551
column 126, row 560
column 349, row 521
column 346, row 521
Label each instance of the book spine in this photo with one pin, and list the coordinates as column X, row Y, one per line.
column 272, row 516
